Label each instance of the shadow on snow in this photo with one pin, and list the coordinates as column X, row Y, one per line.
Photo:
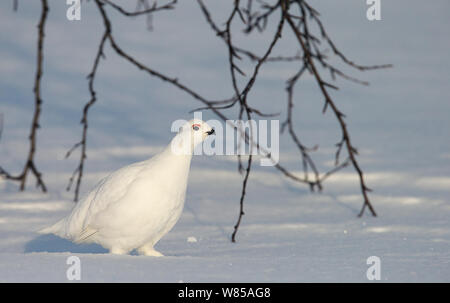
column 53, row 244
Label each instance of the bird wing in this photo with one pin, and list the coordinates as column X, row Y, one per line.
column 109, row 190
column 85, row 234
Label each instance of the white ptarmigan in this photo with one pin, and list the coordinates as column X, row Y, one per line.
column 135, row 206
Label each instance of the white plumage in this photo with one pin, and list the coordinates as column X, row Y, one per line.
column 135, row 206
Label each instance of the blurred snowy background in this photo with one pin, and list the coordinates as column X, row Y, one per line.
column 400, row 123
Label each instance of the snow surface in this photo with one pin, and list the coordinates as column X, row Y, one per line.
column 400, row 124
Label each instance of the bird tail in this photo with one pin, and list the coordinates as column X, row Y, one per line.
column 56, row 229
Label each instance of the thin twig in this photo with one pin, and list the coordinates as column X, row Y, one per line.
column 251, row 18
column 84, row 121
column 146, row 11
column 30, row 162
column 340, row 117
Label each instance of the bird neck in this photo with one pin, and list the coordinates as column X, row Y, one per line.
column 182, row 145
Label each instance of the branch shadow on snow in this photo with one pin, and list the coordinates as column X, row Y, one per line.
column 53, row 244
column 305, row 191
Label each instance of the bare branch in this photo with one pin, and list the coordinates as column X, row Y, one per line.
column 84, row 121
column 146, row 11
column 241, row 201
column 339, row 116
column 308, row 58
column 30, row 164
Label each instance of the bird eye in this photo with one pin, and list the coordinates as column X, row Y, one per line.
column 195, row 127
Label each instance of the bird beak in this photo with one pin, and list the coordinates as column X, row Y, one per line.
column 211, row 132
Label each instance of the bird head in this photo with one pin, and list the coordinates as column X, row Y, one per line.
column 190, row 135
